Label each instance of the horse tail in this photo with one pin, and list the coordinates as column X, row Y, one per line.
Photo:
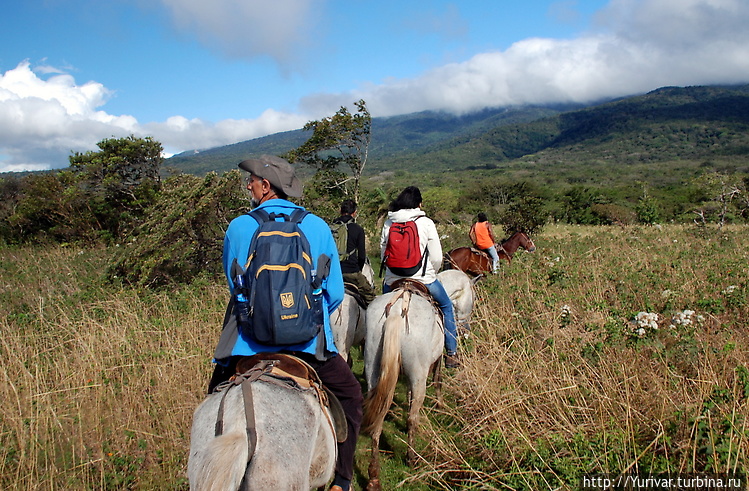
column 223, row 465
column 379, row 398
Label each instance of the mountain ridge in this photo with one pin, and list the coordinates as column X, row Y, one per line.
column 668, row 121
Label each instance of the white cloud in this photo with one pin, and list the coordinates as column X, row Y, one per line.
column 249, row 28
column 644, row 44
column 43, row 121
column 678, row 25
column 178, row 134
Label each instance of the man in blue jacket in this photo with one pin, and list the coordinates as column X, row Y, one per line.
column 271, row 180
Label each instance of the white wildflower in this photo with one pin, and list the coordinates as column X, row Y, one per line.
column 729, row 291
column 644, row 321
column 682, row 318
column 668, row 294
column 647, row 319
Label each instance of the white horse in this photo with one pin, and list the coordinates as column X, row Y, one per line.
column 295, row 439
column 347, row 322
column 405, row 333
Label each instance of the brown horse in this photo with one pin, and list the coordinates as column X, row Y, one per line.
column 475, row 262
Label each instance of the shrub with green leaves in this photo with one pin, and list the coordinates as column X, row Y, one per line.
column 183, row 235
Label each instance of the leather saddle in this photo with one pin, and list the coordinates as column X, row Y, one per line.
column 415, row 287
column 480, row 252
column 284, row 370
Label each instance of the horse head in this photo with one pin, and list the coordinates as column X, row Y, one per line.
column 526, row 242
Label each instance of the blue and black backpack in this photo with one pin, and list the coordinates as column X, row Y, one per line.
column 277, row 283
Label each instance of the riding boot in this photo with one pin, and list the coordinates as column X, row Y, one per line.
column 452, row 360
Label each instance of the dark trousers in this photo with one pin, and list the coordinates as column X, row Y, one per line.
column 358, row 279
column 337, row 376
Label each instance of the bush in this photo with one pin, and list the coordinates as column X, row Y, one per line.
column 183, row 236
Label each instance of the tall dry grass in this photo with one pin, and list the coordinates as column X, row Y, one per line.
column 98, row 382
column 546, row 397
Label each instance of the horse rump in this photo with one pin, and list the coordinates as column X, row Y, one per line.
column 221, row 463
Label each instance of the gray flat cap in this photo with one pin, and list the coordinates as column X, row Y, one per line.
column 277, row 171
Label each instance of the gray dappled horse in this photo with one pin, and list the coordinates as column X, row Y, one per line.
column 348, row 320
column 404, row 333
column 347, row 324
column 295, row 441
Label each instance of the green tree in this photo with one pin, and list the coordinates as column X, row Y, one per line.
column 44, row 209
column 343, row 138
column 524, row 214
column 647, row 210
column 119, row 181
column 182, row 235
column 578, row 206
column 726, row 198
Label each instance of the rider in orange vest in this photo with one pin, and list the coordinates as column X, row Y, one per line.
column 482, row 237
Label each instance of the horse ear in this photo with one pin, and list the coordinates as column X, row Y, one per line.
column 476, row 279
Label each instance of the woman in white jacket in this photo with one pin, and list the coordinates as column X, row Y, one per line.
column 405, row 208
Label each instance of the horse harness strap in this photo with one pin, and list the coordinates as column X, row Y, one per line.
column 353, row 290
column 285, row 371
column 403, row 288
column 501, row 247
column 413, row 286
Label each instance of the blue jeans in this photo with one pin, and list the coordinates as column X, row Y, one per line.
column 446, row 306
column 492, row 251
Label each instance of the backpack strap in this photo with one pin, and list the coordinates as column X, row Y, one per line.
column 260, row 215
column 298, row 215
column 263, row 216
column 425, row 258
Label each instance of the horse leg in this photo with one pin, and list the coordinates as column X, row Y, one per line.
column 374, row 463
column 418, row 392
column 436, row 371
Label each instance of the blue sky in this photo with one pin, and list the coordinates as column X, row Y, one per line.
column 198, row 74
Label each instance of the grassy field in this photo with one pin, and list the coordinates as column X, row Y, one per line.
column 561, row 378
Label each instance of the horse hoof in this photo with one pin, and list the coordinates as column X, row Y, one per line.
column 374, row 485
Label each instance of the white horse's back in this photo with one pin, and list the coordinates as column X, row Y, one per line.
column 421, row 337
column 295, row 448
column 347, row 324
column 459, row 286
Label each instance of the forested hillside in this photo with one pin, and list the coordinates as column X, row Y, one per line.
column 689, row 123
column 390, row 137
column 666, row 124
column 674, row 155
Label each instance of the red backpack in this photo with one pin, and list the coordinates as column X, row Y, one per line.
column 402, row 251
